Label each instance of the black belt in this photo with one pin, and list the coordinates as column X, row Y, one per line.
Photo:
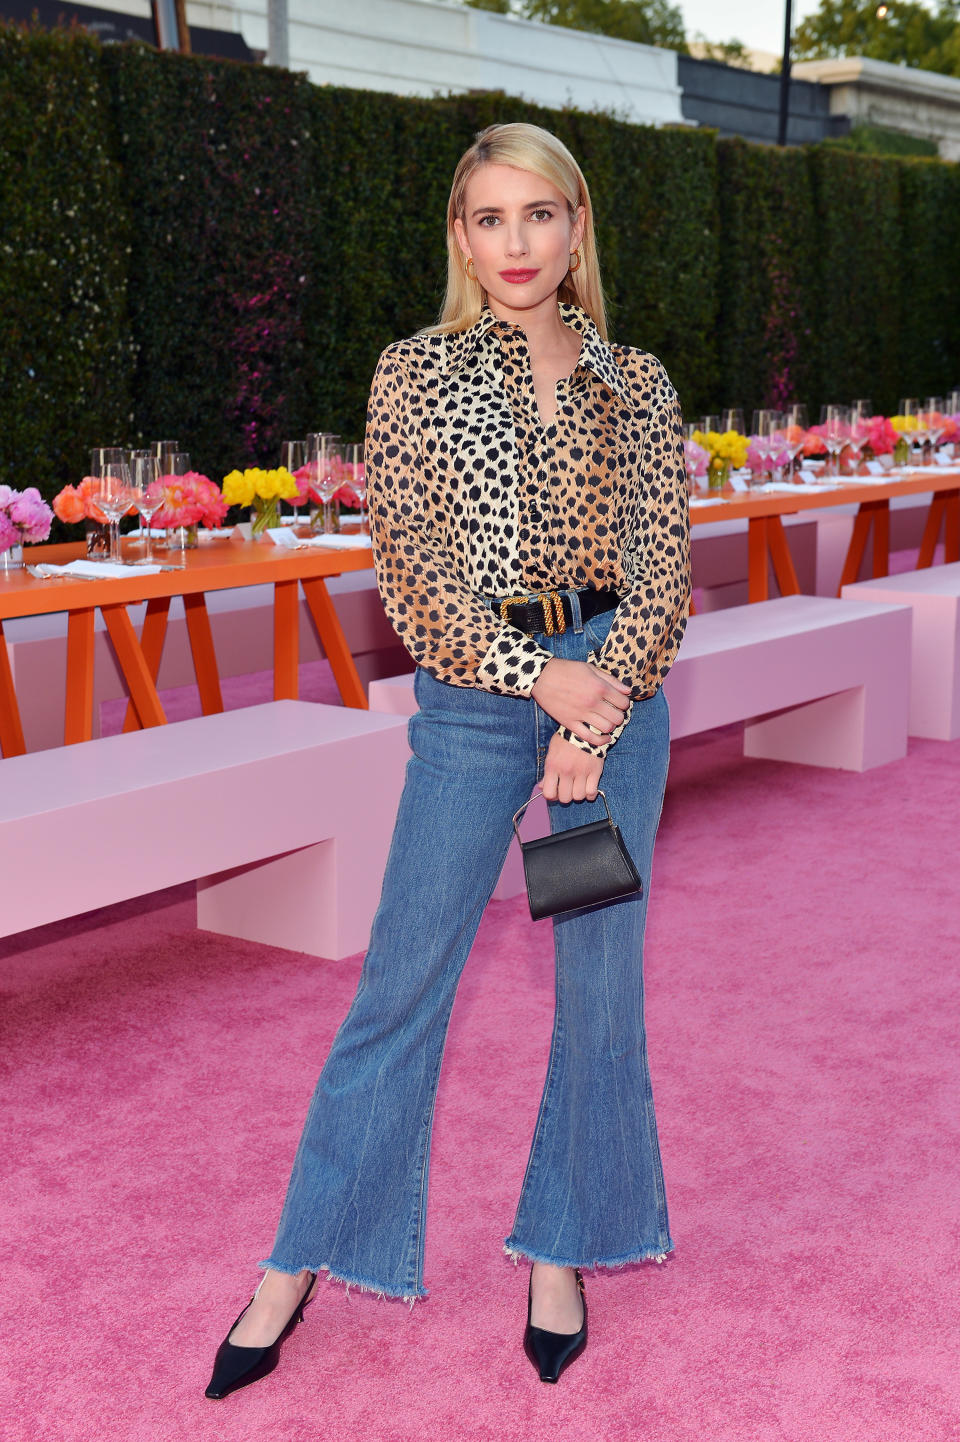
column 551, row 611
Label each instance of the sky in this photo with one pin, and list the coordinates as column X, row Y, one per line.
column 758, row 23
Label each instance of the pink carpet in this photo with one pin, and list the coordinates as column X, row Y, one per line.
column 802, row 1002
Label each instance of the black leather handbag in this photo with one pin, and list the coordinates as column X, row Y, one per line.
column 580, row 867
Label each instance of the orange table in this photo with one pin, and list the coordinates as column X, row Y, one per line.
column 767, row 541
column 215, row 565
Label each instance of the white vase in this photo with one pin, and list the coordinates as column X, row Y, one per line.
column 11, row 559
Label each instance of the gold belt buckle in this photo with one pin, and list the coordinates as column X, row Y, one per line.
column 552, row 604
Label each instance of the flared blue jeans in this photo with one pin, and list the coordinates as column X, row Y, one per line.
column 593, row 1192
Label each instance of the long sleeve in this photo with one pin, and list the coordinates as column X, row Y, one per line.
column 443, row 625
column 646, row 632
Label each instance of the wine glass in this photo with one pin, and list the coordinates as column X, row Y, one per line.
column 358, row 481
column 102, row 456
column 795, row 426
column 860, row 413
column 835, row 421
column 931, row 420
column 293, row 455
column 709, row 423
column 163, row 449
column 326, row 465
column 112, row 494
column 763, row 433
column 910, row 410
column 732, row 420
column 146, row 494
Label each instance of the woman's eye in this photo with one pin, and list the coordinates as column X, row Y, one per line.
column 484, row 218
column 543, row 213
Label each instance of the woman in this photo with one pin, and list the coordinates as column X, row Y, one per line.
column 530, row 535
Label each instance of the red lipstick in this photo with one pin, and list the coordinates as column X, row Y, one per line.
column 518, row 277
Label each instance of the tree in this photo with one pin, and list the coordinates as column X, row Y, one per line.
column 901, row 32
column 649, row 22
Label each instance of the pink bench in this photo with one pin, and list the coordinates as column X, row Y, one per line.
column 282, row 813
column 934, row 599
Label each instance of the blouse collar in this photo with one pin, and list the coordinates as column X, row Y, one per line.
column 595, row 353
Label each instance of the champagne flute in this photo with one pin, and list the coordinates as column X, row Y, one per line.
column 113, row 497
column 147, row 495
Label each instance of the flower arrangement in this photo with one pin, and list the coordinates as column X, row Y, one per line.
column 25, row 517
column 726, row 449
column 188, row 500
column 263, row 491
column 76, row 503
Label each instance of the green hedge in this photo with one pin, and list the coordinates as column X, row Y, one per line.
column 218, row 252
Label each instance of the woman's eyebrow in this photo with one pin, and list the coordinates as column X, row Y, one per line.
column 498, row 209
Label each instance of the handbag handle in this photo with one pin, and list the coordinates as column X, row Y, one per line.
column 538, row 792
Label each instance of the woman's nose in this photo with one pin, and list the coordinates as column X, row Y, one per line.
column 516, row 242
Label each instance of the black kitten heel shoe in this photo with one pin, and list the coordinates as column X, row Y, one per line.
column 236, row 1367
column 552, row 1352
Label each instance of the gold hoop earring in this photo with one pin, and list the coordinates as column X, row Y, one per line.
column 575, row 256
column 471, row 273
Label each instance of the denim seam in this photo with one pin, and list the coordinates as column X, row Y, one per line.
column 361, row 1283
column 545, row 1101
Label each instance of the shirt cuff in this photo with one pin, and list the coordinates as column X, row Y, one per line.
column 596, row 748
column 512, row 664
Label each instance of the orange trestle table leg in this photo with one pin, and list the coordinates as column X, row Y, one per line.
column 152, row 637
column 931, row 532
column 133, row 665
column 204, row 656
column 758, row 556
column 856, row 548
column 78, row 717
column 783, row 567
column 951, row 530
column 334, row 643
column 881, row 537
column 11, row 727
column 286, row 640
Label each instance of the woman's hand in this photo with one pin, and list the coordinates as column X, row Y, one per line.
column 576, row 693
column 570, row 774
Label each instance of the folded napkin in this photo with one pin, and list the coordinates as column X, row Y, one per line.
column 281, row 536
column 708, row 500
column 96, row 570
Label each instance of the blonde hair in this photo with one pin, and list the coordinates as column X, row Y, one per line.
column 526, row 147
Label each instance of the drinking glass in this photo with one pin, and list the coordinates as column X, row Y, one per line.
column 162, row 449
column 709, row 423
column 795, row 425
column 147, row 495
column 113, row 497
column 732, row 420
column 293, row 455
column 860, row 413
column 358, row 481
column 835, row 421
column 102, row 456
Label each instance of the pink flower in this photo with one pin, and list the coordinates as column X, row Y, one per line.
column 696, row 457
column 26, row 513
column 302, row 478
column 881, row 437
column 758, row 462
column 189, row 500
column 9, row 535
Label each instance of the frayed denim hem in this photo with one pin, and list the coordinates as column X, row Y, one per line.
column 361, row 1283
column 645, row 1256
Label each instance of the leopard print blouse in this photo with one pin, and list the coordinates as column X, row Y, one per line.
column 470, row 495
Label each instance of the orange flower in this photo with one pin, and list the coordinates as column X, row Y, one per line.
column 69, row 506
column 90, row 509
